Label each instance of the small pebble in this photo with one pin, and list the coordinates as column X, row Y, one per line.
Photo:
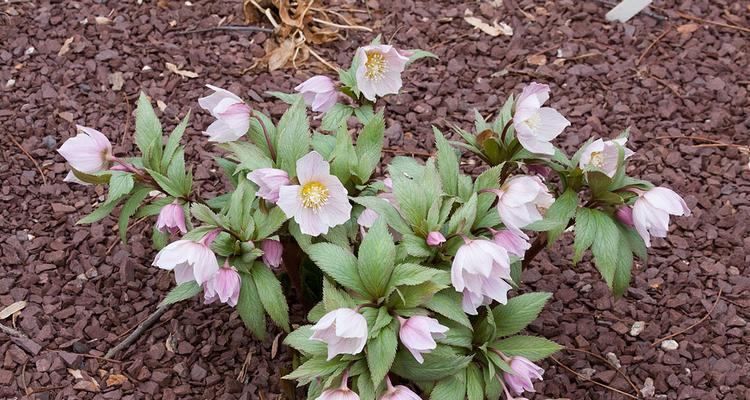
column 612, row 358
column 49, row 142
column 648, row 389
column 669, row 345
column 637, row 328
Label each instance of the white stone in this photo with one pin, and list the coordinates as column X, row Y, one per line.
column 637, row 328
column 648, row 388
column 670, row 345
column 612, row 358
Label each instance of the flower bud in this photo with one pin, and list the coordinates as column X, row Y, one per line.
column 418, row 335
column 652, row 210
column 171, row 218
column 525, row 372
column 272, row 252
column 435, row 238
column 319, row 92
column 231, row 113
column 224, row 285
column 624, row 214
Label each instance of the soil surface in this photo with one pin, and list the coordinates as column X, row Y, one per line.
column 676, row 85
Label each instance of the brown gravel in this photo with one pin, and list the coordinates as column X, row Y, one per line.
column 82, row 298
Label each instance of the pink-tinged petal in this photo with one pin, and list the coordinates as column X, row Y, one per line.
column 86, row 152
column 470, row 302
column 667, row 200
column 536, row 93
column 289, row 200
column 324, row 101
column 269, row 181
column 237, row 118
column 624, row 214
column 639, row 220
column 210, row 102
column 220, row 132
column 511, row 242
column 205, row 265
column 183, row 273
column 312, row 167
column 551, row 123
column 173, row 254
column 71, row 177
column 435, row 238
column 272, row 252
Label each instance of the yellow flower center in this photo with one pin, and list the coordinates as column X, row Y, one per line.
column 314, row 195
column 597, row 159
column 533, row 121
column 375, row 65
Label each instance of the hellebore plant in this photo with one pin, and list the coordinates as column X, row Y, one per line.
column 416, row 273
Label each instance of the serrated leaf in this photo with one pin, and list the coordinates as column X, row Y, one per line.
column 605, row 246
column 338, row 263
column 250, row 157
column 416, row 54
column 558, row 215
column 447, row 162
column 518, row 312
column 334, row 298
column 463, row 219
column 585, row 230
column 250, row 308
column 448, row 304
column 293, row 137
column 100, row 213
column 204, row 214
column 267, row 223
column 414, row 274
column 453, row 387
column 375, row 259
column 128, row 209
column 369, row 146
column 182, row 292
column 381, row 351
column 147, row 127
column 335, row 117
column 474, row 383
column 299, row 339
column 174, row 141
column 438, row 364
column 387, row 210
column 169, row 186
column 316, row 367
column 120, row 184
column 271, row 295
column 532, row 347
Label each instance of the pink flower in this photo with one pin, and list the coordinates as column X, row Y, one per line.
column 536, row 125
column 603, row 155
column 231, row 113
column 418, row 335
column 652, row 209
column 269, row 181
column 319, row 93
column 341, row 393
column 369, row 216
column 171, row 218
column 478, row 271
column 512, row 242
column 343, row 329
column 320, row 201
column 435, row 238
column 525, row 372
column 520, row 200
column 224, row 285
column 88, row 152
column 379, row 70
column 191, row 261
column 398, row 392
column 624, row 214
column 272, row 251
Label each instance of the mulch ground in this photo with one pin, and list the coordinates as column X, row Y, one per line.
column 85, row 291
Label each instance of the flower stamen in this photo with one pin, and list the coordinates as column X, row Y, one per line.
column 375, row 65
column 597, row 159
column 314, row 195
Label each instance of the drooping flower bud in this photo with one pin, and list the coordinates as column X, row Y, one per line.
column 231, row 113
column 191, row 261
column 418, row 335
column 224, row 285
column 435, row 238
column 652, row 209
column 319, row 92
column 624, row 214
column 398, row 392
column 171, row 218
column 343, row 329
column 272, row 252
column 525, row 372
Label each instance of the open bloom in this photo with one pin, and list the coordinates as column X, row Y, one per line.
column 341, row 393
column 343, row 329
column 512, row 242
column 535, row 125
column 224, row 285
column 652, row 209
column 231, row 113
column 418, row 335
column 435, row 238
column 89, row 151
column 525, row 372
column 171, row 218
column 379, row 70
column 191, row 261
column 269, row 181
column 521, row 201
column 272, row 251
column 478, row 271
column 603, row 155
column 398, row 392
column 320, row 201
column 319, row 92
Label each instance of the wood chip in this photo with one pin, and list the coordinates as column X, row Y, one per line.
column 688, row 28
column 181, row 72
column 116, row 80
column 275, row 346
column 102, row 20
column 66, row 115
column 537, row 59
column 12, row 309
column 65, row 46
column 116, row 380
column 162, row 105
column 496, row 29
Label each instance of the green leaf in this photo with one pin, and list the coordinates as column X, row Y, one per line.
column 343, row 156
column 159, row 239
column 532, row 347
column 414, row 274
column 128, row 209
column 416, row 54
column 182, row 292
column 440, row 363
column 204, row 214
column 174, row 141
column 323, row 144
column 99, row 214
column 605, row 247
column 518, row 312
column 338, row 263
column 416, row 246
column 452, row 387
column 169, row 186
column 387, row 210
column 271, row 295
column 294, row 137
column 585, row 230
column 364, row 113
column 382, row 320
column 381, row 351
column 120, row 184
column 299, row 339
column 250, row 308
column 268, row 222
column 288, row 98
column 489, row 179
column 463, row 219
column 147, row 127
column 240, row 213
column 457, row 335
column 335, row 117
column 448, row 304
column 558, row 215
column 315, row 368
column 364, row 388
column 447, row 162
column 249, row 156
column 474, row 383
column 333, row 298
column 259, row 127
column 376, row 256
column 621, row 279
column 369, row 146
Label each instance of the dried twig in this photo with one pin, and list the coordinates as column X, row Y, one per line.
column 33, row 160
column 234, row 28
column 685, row 15
column 335, row 25
column 142, row 327
column 618, row 370
column 321, row 59
column 681, row 331
column 582, row 377
column 12, row 332
column 658, row 38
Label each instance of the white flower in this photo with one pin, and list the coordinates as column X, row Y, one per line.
column 379, row 70
column 521, row 201
column 652, row 209
column 343, row 329
column 535, row 125
column 603, row 155
column 478, row 271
